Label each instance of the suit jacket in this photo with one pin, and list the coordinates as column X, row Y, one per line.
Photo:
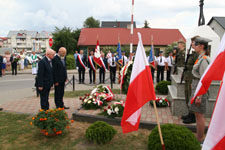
column 59, row 70
column 84, row 59
column 13, row 62
column 1, row 60
column 89, row 64
column 44, row 75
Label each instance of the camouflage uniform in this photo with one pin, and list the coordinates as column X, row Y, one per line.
column 188, row 75
column 180, row 58
column 197, row 71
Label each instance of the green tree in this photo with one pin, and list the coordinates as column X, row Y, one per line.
column 170, row 47
column 91, row 22
column 146, row 24
column 65, row 37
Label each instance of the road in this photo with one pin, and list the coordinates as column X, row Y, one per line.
column 21, row 86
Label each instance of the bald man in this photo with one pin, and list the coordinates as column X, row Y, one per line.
column 59, row 77
column 45, row 78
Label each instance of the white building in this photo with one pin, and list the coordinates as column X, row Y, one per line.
column 218, row 25
column 28, row 40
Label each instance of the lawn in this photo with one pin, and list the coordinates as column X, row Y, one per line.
column 69, row 94
column 17, row 134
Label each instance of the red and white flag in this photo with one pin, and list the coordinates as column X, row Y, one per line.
column 140, row 91
column 215, row 138
column 214, row 71
column 97, row 55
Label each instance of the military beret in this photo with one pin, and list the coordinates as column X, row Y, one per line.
column 181, row 41
column 202, row 40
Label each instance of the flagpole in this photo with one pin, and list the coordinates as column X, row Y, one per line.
column 132, row 28
column 96, row 67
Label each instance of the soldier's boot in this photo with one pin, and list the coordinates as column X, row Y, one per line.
column 186, row 116
column 190, row 119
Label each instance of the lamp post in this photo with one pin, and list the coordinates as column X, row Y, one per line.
column 201, row 20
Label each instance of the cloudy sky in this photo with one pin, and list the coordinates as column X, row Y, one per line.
column 46, row 14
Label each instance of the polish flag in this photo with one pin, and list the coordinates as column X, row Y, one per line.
column 215, row 138
column 214, row 71
column 140, row 91
column 97, row 55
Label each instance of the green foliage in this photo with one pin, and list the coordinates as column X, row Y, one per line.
column 175, row 138
column 170, row 48
column 65, row 37
column 51, row 121
column 127, row 79
column 162, row 88
column 91, row 22
column 146, row 24
column 70, row 62
column 100, row 132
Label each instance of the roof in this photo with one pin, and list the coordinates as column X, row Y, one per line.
column 219, row 20
column 116, row 24
column 109, row 36
column 3, row 38
column 23, row 33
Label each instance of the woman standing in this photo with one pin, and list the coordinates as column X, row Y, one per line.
column 199, row 106
column 4, row 65
column 22, row 57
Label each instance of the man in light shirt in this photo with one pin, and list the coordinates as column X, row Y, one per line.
column 112, row 68
column 169, row 65
column 160, row 66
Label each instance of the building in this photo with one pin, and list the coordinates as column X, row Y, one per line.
column 218, row 25
column 117, row 24
column 109, row 37
column 3, row 42
column 28, row 40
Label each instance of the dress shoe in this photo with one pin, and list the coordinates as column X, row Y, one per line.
column 185, row 117
column 190, row 120
column 1, row 109
column 66, row 107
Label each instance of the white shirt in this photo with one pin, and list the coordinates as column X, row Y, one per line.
column 161, row 60
column 110, row 61
column 153, row 60
column 169, row 60
column 125, row 60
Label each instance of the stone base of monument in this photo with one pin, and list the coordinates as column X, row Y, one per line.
column 177, row 98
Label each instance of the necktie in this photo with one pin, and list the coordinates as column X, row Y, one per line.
column 113, row 61
column 63, row 62
column 160, row 59
column 123, row 60
column 171, row 59
column 50, row 62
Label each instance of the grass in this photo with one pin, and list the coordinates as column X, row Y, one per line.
column 69, row 94
column 17, row 134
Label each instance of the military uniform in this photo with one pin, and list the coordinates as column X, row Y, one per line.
column 198, row 69
column 180, row 58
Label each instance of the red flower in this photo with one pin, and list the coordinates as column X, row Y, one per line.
column 105, row 110
column 109, row 107
column 81, row 98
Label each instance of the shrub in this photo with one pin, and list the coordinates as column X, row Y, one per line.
column 51, row 122
column 162, row 88
column 70, row 62
column 100, row 132
column 175, row 138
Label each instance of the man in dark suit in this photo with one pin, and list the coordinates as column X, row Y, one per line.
column 1, row 62
column 45, row 78
column 59, row 77
column 91, row 67
column 81, row 64
column 102, row 69
column 14, row 61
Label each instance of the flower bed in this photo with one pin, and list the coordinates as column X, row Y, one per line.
column 98, row 98
column 51, row 122
column 161, row 102
column 115, row 110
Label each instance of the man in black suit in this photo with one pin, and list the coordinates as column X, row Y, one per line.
column 81, row 64
column 102, row 69
column 14, row 61
column 45, row 78
column 91, row 67
column 59, row 77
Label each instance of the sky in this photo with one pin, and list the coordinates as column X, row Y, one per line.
column 39, row 15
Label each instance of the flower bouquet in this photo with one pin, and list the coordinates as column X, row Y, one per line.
column 160, row 102
column 51, row 122
column 98, row 98
column 115, row 110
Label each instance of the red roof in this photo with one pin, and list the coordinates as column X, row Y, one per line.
column 3, row 38
column 109, row 36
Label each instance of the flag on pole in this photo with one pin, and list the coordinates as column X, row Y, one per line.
column 215, row 138
column 214, row 71
column 97, row 55
column 151, row 56
column 140, row 91
column 119, row 59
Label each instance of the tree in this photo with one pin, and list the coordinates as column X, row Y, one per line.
column 67, row 38
column 91, row 22
column 146, row 24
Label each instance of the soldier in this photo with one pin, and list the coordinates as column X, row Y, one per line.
column 180, row 56
column 190, row 118
column 200, row 103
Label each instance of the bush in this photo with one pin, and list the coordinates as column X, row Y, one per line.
column 70, row 62
column 162, row 88
column 100, row 132
column 175, row 138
